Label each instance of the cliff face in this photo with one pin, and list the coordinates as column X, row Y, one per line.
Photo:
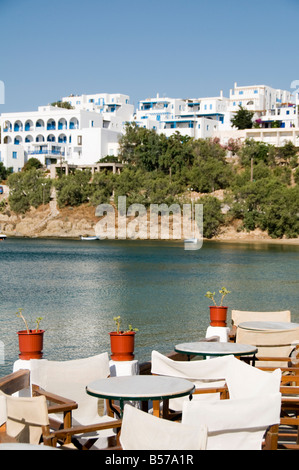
column 72, row 222
column 47, row 221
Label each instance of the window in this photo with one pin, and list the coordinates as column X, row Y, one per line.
column 79, row 139
column 241, row 92
column 14, row 155
column 255, row 92
column 211, row 106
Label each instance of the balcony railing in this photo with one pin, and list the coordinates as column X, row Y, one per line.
column 46, row 152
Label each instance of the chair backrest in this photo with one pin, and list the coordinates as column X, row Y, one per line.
column 70, row 378
column 239, row 316
column 235, row 424
column 242, row 379
column 25, row 417
column 245, row 381
column 270, row 343
column 143, row 431
column 202, row 373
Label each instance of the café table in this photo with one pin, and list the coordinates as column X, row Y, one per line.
column 140, row 388
column 268, row 325
column 206, row 349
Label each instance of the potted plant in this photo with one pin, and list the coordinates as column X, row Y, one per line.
column 122, row 342
column 30, row 341
column 218, row 313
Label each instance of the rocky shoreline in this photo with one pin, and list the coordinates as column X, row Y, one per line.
column 49, row 222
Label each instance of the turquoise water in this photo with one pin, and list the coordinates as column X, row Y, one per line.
column 158, row 287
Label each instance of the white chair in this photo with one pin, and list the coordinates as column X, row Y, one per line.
column 205, row 375
column 239, row 316
column 270, row 344
column 26, row 419
column 240, row 379
column 235, row 424
column 143, row 431
column 69, row 379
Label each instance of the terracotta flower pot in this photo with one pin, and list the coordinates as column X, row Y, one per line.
column 122, row 345
column 218, row 316
column 31, row 345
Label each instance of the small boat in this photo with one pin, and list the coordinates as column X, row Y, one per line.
column 191, row 240
column 89, row 238
column 2, row 237
column 192, row 243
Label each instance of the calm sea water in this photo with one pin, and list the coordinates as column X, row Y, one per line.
column 158, row 287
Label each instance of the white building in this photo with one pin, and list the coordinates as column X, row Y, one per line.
column 257, row 98
column 12, row 156
column 196, row 117
column 82, row 135
column 91, row 129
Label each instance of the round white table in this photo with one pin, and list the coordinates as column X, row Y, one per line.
column 140, row 388
column 268, row 325
column 20, row 446
column 205, row 348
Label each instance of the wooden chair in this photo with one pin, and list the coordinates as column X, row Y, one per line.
column 288, row 431
column 69, row 379
column 27, row 420
column 272, row 345
column 143, row 431
column 62, row 433
column 237, row 424
column 239, row 316
column 208, row 378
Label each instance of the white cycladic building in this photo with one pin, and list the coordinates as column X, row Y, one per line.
column 257, row 98
column 12, row 156
column 82, row 135
column 92, row 128
column 197, row 118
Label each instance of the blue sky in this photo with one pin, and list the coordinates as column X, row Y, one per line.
column 186, row 48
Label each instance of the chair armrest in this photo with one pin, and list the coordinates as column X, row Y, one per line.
column 64, row 433
column 62, row 404
column 71, row 404
column 223, row 390
column 5, row 438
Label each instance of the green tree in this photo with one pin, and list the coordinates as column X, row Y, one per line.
column 243, row 119
column 32, row 163
column 210, row 169
column 287, row 154
column 101, row 187
column 212, row 215
column 73, row 189
column 28, row 189
column 3, row 172
column 62, row 104
column 253, row 152
column 281, row 212
column 177, row 153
